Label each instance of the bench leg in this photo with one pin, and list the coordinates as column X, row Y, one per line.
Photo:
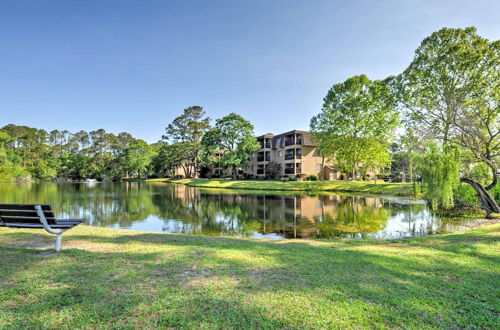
column 58, row 242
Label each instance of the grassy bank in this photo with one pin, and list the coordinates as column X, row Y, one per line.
column 106, row 278
column 381, row 188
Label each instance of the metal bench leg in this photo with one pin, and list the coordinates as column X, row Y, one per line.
column 47, row 228
column 58, row 242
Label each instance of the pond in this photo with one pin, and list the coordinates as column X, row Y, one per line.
column 174, row 208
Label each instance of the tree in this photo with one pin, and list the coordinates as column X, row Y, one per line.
column 356, row 123
column 137, row 157
column 273, row 169
column 187, row 131
column 233, row 137
column 450, row 91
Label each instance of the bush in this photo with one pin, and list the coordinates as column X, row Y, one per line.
column 292, row 177
column 313, row 177
column 261, row 177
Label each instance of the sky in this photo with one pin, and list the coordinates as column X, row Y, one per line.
column 134, row 66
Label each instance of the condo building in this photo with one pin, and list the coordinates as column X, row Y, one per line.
column 296, row 154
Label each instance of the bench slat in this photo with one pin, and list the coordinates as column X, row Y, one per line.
column 62, row 221
column 35, row 220
column 26, row 213
column 35, row 226
column 45, row 207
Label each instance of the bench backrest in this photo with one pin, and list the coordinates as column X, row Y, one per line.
column 25, row 213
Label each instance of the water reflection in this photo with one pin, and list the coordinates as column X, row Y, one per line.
column 181, row 209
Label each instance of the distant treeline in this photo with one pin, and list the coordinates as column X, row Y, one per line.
column 27, row 152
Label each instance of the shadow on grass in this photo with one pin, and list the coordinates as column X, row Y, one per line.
column 197, row 281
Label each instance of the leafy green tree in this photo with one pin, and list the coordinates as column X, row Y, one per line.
column 355, row 125
column 450, row 93
column 137, row 157
column 232, row 137
column 187, row 131
column 440, row 170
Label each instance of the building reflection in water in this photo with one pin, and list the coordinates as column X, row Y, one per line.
column 181, row 209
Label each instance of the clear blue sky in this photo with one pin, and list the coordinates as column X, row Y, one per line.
column 135, row 65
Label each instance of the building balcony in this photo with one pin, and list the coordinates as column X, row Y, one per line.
column 260, row 171
column 265, row 146
column 263, row 159
column 289, row 157
column 289, row 170
column 289, row 143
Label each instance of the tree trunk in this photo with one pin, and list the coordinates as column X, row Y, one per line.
column 195, row 168
column 487, row 202
column 235, row 173
column 494, row 172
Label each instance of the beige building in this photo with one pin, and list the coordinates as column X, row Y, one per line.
column 295, row 152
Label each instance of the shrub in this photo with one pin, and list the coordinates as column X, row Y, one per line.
column 291, row 177
column 313, row 177
column 261, row 177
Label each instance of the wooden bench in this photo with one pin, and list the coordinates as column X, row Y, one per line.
column 36, row 216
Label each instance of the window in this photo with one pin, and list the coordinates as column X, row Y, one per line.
column 280, row 153
column 253, row 156
column 279, row 141
column 253, row 167
column 319, row 153
column 319, row 167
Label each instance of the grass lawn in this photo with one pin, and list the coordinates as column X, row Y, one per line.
column 108, row 278
column 395, row 189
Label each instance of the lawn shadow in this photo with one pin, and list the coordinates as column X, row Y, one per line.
column 199, row 281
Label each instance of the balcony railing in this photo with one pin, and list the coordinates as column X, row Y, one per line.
column 289, row 170
column 289, row 157
column 299, row 141
column 260, row 158
column 265, row 145
column 289, row 143
column 261, row 171
column 298, row 156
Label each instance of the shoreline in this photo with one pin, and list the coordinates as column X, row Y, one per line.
column 361, row 187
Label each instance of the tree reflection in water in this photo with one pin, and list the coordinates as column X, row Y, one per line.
column 182, row 209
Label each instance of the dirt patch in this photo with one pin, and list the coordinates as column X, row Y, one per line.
column 31, row 244
column 450, row 278
column 482, row 223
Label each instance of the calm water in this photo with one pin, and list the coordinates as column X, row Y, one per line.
column 179, row 209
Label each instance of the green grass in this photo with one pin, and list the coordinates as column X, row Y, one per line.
column 381, row 188
column 108, row 278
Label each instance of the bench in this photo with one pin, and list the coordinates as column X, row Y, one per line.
column 36, row 216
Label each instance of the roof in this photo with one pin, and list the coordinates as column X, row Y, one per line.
column 306, row 138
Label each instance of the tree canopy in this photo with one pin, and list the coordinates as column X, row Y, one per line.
column 355, row 125
column 232, row 137
column 450, row 94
